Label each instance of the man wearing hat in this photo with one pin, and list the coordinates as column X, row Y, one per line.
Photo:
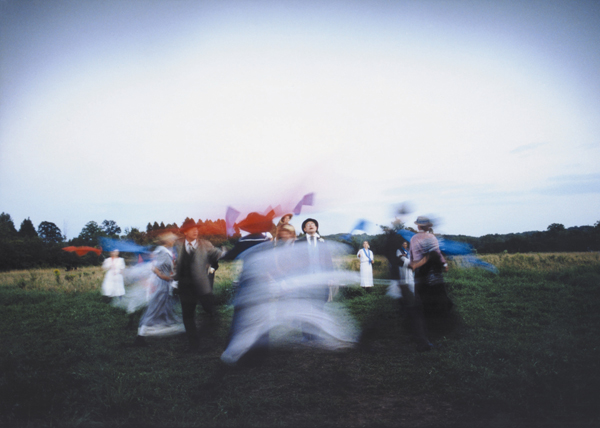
column 427, row 262
column 319, row 255
column 195, row 257
column 317, row 259
column 257, row 225
column 423, row 244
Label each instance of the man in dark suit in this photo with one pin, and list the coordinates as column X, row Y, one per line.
column 195, row 258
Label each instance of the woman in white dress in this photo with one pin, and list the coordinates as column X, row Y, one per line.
column 406, row 274
column 113, row 285
column 366, row 265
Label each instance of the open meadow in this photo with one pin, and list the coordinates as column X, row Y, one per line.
column 521, row 348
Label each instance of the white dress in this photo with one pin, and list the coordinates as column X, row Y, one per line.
column 113, row 285
column 366, row 268
column 406, row 274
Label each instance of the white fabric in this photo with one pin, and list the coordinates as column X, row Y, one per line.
column 366, row 268
column 113, row 285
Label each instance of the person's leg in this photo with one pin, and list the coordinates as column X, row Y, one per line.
column 414, row 312
column 188, row 309
column 208, row 303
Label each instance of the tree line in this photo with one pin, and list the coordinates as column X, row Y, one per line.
column 31, row 247
column 556, row 238
column 28, row 247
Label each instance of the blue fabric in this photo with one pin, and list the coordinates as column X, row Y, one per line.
column 448, row 247
column 454, row 248
column 123, row 246
column 367, row 254
column 360, row 225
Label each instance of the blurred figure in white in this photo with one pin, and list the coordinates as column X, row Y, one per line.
column 278, row 293
column 113, row 284
column 405, row 273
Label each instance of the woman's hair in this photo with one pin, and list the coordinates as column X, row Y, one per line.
column 165, row 238
column 287, row 227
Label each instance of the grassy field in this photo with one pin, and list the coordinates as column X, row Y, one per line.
column 522, row 348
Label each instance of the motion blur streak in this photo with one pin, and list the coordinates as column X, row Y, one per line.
column 279, row 295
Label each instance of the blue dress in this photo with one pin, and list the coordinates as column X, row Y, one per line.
column 160, row 318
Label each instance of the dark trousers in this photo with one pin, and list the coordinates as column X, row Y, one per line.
column 413, row 307
column 188, row 309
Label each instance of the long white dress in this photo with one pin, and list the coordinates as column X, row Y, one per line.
column 113, row 285
column 406, row 274
column 366, row 268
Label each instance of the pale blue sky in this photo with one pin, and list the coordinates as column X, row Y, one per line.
column 484, row 114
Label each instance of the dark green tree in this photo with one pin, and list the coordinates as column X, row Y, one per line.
column 555, row 227
column 90, row 234
column 7, row 227
column 27, row 229
column 111, row 229
column 135, row 235
column 50, row 233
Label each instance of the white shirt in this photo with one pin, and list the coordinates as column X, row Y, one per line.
column 190, row 246
column 312, row 239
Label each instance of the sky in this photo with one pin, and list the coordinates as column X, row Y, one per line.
column 484, row 115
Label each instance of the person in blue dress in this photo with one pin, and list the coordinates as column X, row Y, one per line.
column 160, row 318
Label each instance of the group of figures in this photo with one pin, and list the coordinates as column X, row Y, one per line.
column 286, row 286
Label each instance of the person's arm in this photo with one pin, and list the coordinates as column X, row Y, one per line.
column 418, row 264
column 161, row 275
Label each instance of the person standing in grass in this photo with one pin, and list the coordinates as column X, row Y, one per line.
column 365, row 255
column 428, row 263
column 113, row 284
column 249, row 292
column 317, row 259
column 405, row 273
column 160, row 319
column 194, row 260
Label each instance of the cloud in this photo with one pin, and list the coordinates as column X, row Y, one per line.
column 527, row 148
column 571, row 184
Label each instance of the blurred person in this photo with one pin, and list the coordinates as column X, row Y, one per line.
column 160, row 318
column 277, row 294
column 428, row 264
column 408, row 304
column 319, row 257
column 194, row 259
column 247, row 288
column 286, row 235
column 405, row 273
column 113, row 284
column 365, row 255
column 285, row 219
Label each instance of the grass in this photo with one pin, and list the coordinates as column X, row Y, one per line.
column 521, row 349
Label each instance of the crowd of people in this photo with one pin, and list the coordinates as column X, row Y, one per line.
column 284, row 286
